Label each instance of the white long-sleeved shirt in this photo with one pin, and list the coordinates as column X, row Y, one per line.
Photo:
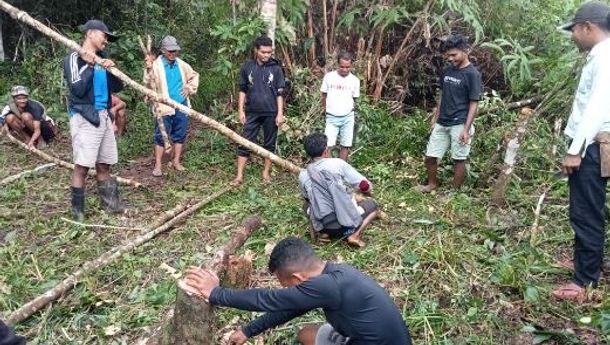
column 591, row 109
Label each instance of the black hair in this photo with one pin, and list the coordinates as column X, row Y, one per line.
column 346, row 56
column 263, row 41
column 456, row 41
column 290, row 255
column 315, row 144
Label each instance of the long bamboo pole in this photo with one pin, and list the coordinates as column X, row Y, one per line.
column 62, row 163
column 15, row 177
column 108, row 257
column 24, row 17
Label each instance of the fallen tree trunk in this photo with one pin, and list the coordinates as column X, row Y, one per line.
column 524, row 103
column 224, row 130
column 108, row 257
column 15, row 177
column 193, row 321
column 510, row 158
column 64, row 164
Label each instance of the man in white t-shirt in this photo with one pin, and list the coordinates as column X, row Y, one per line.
column 339, row 88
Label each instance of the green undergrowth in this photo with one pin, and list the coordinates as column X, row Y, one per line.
column 461, row 271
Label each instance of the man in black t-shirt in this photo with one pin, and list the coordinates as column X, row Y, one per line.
column 27, row 118
column 358, row 310
column 453, row 117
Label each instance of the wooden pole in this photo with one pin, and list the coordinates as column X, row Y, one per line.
column 215, row 125
column 65, row 164
column 193, row 322
column 15, row 177
column 28, row 309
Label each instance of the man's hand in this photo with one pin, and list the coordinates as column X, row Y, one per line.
column 571, row 163
column 242, row 116
column 186, row 90
column 203, row 281
column 464, row 137
column 279, row 119
column 31, row 146
column 238, row 338
column 107, row 63
column 148, row 60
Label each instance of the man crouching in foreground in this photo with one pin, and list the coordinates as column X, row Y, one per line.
column 358, row 310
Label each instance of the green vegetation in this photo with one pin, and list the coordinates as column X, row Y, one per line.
column 461, row 271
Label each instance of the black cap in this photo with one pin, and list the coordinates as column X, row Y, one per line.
column 592, row 11
column 95, row 24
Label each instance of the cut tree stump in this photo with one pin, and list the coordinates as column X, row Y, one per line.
column 193, row 321
column 239, row 271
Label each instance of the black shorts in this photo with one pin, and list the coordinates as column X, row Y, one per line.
column 332, row 227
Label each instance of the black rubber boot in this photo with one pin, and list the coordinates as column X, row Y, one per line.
column 109, row 195
column 78, row 204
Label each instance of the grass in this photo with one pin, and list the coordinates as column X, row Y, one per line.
column 461, row 272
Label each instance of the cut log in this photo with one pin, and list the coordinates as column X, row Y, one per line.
column 38, row 169
column 64, row 164
column 498, row 197
column 193, row 322
column 213, row 124
column 108, row 257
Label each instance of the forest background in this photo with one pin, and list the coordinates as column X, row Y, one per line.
column 462, row 271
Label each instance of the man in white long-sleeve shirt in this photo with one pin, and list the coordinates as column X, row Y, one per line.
column 590, row 116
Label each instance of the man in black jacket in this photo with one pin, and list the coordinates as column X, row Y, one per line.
column 91, row 128
column 261, row 83
column 8, row 337
column 357, row 309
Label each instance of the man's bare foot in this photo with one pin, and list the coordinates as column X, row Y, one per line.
column 429, row 188
column 177, row 166
column 236, row 182
column 570, row 292
column 157, row 172
column 355, row 241
column 266, row 180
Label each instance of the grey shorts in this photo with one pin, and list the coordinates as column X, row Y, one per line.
column 90, row 144
column 328, row 336
column 443, row 137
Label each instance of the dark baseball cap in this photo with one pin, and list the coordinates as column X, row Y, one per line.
column 95, row 24
column 592, row 11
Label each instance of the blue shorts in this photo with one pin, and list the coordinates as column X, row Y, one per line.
column 176, row 127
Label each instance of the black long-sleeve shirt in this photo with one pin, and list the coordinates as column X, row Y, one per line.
column 353, row 303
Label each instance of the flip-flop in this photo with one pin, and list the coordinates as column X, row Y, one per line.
column 157, row 173
column 570, row 292
column 236, row 183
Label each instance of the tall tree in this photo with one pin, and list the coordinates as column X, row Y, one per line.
column 269, row 15
column 1, row 43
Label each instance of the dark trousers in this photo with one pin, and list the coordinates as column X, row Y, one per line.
column 253, row 124
column 588, row 217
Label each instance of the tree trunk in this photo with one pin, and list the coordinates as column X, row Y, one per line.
column 193, row 322
column 2, row 55
column 310, row 36
column 65, row 164
column 108, row 257
column 325, row 21
column 498, row 196
column 269, row 14
column 332, row 26
column 377, row 76
column 224, row 130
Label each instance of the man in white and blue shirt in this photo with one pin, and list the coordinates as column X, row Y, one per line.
column 590, row 116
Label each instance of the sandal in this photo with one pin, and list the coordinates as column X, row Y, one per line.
column 157, row 173
column 570, row 292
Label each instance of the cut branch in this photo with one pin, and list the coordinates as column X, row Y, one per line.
column 224, row 130
column 16, row 177
column 64, row 164
column 108, row 257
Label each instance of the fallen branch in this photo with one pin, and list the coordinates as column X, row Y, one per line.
column 523, row 103
column 101, row 226
column 193, row 321
column 108, row 257
column 64, row 164
column 224, row 130
column 16, row 177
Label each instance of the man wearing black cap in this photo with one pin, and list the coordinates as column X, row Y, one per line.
column 91, row 128
column 588, row 159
